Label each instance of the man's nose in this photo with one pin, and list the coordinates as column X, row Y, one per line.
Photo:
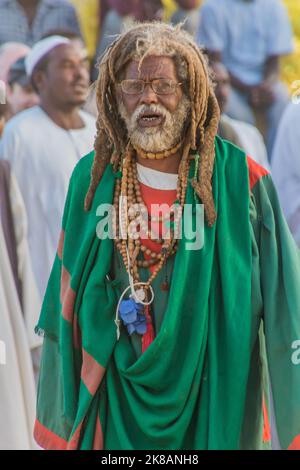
column 148, row 96
column 82, row 73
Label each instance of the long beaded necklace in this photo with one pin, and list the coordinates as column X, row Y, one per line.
column 128, row 187
column 129, row 242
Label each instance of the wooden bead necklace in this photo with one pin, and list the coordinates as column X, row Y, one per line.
column 158, row 155
column 130, row 245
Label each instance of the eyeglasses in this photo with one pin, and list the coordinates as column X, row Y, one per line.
column 160, row 86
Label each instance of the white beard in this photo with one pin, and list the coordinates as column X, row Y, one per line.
column 156, row 139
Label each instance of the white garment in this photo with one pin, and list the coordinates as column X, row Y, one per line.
column 286, row 167
column 17, row 389
column 43, row 156
column 31, row 301
column 251, row 140
column 156, row 179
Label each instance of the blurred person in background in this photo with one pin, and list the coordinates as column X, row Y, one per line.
column 19, row 310
column 90, row 104
column 44, row 143
column 187, row 12
column 88, row 12
column 149, row 11
column 240, row 133
column 27, row 21
column 19, row 91
column 249, row 37
column 75, row 38
column 9, row 54
column 286, row 167
column 118, row 14
column 122, row 14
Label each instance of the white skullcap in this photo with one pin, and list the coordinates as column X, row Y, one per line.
column 41, row 49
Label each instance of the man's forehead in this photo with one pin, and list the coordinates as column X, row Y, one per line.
column 151, row 65
column 68, row 51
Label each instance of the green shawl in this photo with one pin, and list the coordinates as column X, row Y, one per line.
column 188, row 389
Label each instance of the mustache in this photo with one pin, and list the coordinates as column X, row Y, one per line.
column 151, row 108
column 156, row 138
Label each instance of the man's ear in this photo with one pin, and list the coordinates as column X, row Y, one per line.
column 38, row 80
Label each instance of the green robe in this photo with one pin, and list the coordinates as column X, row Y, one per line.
column 231, row 318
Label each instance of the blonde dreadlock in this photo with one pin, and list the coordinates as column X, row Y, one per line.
column 111, row 140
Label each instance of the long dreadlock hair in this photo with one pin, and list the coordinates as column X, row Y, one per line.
column 111, row 139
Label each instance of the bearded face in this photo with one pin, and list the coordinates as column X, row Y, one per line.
column 156, row 113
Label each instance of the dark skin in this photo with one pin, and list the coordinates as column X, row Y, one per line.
column 63, row 85
column 122, row 8
column 143, row 10
column 188, row 4
column 30, row 9
column 154, row 67
column 150, row 11
column 260, row 96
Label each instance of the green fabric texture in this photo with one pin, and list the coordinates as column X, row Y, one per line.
column 278, row 260
column 190, row 388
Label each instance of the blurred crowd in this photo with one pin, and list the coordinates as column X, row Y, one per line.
column 49, row 51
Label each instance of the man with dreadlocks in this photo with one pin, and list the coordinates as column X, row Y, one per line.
column 147, row 343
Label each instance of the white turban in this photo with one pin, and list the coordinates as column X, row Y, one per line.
column 41, row 49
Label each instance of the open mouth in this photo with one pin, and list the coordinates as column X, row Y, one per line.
column 150, row 119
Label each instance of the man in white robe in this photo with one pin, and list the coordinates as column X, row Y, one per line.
column 19, row 312
column 44, row 143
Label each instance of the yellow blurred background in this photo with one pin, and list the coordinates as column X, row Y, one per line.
column 290, row 65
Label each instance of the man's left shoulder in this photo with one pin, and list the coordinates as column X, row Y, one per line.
column 228, row 151
column 236, row 156
column 82, row 170
column 80, row 178
column 256, row 171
